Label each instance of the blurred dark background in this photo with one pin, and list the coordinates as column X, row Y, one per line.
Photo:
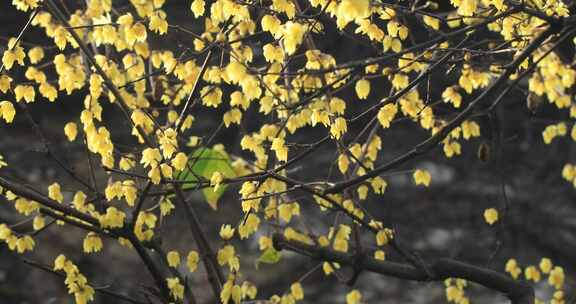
column 444, row 220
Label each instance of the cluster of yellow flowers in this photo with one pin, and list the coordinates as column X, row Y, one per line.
column 159, row 168
column 556, row 277
column 75, row 281
column 553, row 80
column 14, row 242
column 238, row 292
column 113, row 218
column 455, row 291
column 144, row 226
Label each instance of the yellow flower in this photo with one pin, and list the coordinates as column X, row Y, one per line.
column 236, row 72
column 553, row 131
column 59, row 262
column 173, row 258
column 13, row 55
column 176, row 289
column 338, row 127
column 353, row 297
column 113, row 190
column 5, row 82
column 35, row 54
column 92, row 243
column 168, row 142
column 226, row 232
column 272, row 53
column 192, row 260
column 216, row 179
column 179, row 161
column 451, row 148
column 491, row 216
column 284, row 6
column 280, row 148
column 362, row 192
column 454, row 294
column 532, row 273
column 232, row 116
column 79, row 200
column 197, row 8
column 84, row 294
column 60, row 37
column 293, row 36
column 154, row 175
column 343, row 163
column 136, row 33
column 341, row 238
column 249, row 226
column 387, row 114
column 25, row 5
column 382, row 237
column 150, row 157
column 556, row 277
column 452, row 96
column 287, row 210
column 55, row 193
column 271, row 24
column 7, row 111
column 212, row 97
column 226, row 254
column 24, row 244
column 38, row 222
column 422, row 177
column 470, row 129
column 25, row 207
column 466, row 7
column 48, row 91
column 350, row 10
column 327, row 268
column 400, row 81
column 337, row 106
column 362, row 88
column 71, row 130
column 158, row 23
column 297, row 291
column 25, row 92
column 545, row 265
column 379, row 185
column 129, row 191
column 431, row 22
column 380, row 255
column 113, row 218
column 391, row 43
column 166, row 207
column 166, row 170
column 512, row 268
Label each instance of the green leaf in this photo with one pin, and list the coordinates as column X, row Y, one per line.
column 270, row 256
column 204, row 162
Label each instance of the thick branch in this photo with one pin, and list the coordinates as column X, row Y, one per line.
column 519, row 292
column 45, row 201
column 215, row 275
column 151, row 266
